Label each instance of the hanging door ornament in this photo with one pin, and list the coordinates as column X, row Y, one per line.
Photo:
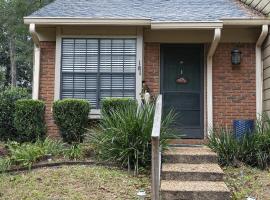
column 180, row 77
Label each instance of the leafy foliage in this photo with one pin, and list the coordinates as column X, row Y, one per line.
column 4, row 164
column 75, row 152
column 124, row 136
column 26, row 154
column 253, row 149
column 71, row 116
column 225, row 145
column 109, row 105
column 8, row 98
column 29, row 119
column 14, row 31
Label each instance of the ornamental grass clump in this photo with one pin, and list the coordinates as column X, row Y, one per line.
column 222, row 141
column 124, row 136
column 252, row 149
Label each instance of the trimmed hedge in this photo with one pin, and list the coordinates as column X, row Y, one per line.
column 8, row 97
column 71, row 116
column 110, row 105
column 29, row 120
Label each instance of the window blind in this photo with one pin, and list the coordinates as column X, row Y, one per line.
column 94, row 69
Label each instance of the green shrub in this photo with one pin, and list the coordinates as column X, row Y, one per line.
column 29, row 119
column 109, row 105
column 4, row 164
column 71, row 116
column 124, row 136
column 253, row 149
column 8, row 98
column 25, row 154
column 52, row 147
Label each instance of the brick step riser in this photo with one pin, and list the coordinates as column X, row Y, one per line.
column 190, row 159
column 192, row 176
column 195, row 195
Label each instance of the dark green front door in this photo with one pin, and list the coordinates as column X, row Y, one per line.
column 182, row 87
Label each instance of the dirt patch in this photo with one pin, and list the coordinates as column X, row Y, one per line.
column 248, row 182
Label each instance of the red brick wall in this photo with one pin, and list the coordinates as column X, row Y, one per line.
column 46, row 88
column 234, row 87
column 234, row 94
column 152, row 66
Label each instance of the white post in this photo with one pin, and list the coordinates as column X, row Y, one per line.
column 57, row 64
column 210, row 54
column 259, row 71
column 139, row 63
column 36, row 63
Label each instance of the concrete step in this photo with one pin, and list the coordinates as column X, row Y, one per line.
column 191, row 155
column 194, row 190
column 192, row 172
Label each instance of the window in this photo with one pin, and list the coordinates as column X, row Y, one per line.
column 93, row 69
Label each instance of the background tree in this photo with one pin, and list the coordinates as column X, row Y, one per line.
column 16, row 47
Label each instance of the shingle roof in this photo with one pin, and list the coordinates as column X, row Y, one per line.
column 156, row 10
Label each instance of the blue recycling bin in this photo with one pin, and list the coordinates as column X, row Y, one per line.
column 242, row 127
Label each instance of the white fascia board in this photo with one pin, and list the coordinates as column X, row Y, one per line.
column 246, row 22
column 85, row 21
column 159, row 25
column 147, row 22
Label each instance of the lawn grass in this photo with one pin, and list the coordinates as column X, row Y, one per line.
column 248, row 182
column 72, row 182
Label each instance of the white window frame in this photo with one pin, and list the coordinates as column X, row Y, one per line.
column 139, row 60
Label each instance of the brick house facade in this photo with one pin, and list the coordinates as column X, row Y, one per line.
column 87, row 55
column 234, row 92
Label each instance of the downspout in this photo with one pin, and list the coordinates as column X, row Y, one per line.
column 212, row 49
column 36, row 68
column 259, row 71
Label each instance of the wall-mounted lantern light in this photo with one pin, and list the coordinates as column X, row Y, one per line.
column 236, row 56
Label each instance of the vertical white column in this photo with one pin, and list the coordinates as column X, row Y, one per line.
column 36, row 73
column 259, row 71
column 139, row 63
column 57, row 81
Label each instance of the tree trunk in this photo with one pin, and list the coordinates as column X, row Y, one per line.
column 13, row 68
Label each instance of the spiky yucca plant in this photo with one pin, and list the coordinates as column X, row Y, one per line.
column 222, row 141
column 124, row 136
